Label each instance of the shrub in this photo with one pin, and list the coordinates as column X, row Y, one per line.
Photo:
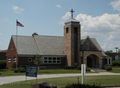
column 20, row 70
column 73, row 67
column 87, row 69
column 78, row 85
column 2, row 64
column 115, row 63
column 16, row 70
column 79, row 67
column 108, row 68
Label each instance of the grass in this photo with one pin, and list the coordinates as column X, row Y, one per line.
column 7, row 72
column 115, row 70
column 63, row 81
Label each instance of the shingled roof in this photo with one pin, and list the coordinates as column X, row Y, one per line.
column 39, row 45
column 45, row 45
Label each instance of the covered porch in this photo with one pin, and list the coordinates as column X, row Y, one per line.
column 92, row 59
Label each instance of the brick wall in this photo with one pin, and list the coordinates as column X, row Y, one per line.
column 69, row 43
column 11, row 53
column 91, row 46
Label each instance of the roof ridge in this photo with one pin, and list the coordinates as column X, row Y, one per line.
column 37, row 45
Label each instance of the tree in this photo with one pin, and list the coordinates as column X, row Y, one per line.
column 109, row 51
column 38, row 61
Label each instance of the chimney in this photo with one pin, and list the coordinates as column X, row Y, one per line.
column 34, row 34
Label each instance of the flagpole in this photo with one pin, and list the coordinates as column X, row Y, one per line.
column 16, row 41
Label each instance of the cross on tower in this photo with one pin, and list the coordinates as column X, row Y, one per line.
column 71, row 13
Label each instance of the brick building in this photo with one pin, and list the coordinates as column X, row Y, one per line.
column 57, row 51
column 3, row 54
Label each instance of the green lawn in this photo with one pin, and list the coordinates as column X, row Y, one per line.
column 115, row 70
column 62, row 81
column 7, row 72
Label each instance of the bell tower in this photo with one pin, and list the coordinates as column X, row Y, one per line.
column 72, row 41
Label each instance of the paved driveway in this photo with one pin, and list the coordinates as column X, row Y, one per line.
column 10, row 79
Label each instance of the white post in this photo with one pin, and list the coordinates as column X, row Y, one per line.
column 83, row 71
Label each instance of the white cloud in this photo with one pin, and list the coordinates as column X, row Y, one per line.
column 104, row 46
column 105, row 28
column 17, row 9
column 66, row 16
column 116, row 5
column 58, row 6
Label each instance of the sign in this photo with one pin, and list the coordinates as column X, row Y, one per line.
column 31, row 71
column 116, row 57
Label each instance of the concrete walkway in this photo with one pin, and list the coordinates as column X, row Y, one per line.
column 10, row 79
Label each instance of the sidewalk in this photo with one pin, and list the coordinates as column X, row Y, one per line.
column 10, row 79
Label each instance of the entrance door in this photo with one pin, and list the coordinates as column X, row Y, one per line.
column 89, row 62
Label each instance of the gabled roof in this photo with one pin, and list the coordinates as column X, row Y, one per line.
column 39, row 45
column 26, row 45
column 95, row 43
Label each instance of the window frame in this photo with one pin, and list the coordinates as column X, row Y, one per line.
column 9, row 59
column 87, row 46
column 53, row 60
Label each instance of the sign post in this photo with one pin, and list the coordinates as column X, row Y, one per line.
column 31, row 71
column 83, row 72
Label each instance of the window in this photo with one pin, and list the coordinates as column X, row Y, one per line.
column 67, row 30
column 29, row 59
column 52, row 60
column 87, row 46
column 14, row 59
column 9, row 59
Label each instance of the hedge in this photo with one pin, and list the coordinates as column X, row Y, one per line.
column 2, row 64
column 116, row 63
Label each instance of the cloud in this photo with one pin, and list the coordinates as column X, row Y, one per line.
column 17, row 9
column 106, row 25
column 64, row 18
column 58, row 6
column 116, row 5
column 105, row 28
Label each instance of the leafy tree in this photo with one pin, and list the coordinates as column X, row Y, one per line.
column 109, row 51
column 38, row 60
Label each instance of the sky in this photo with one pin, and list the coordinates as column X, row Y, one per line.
column 99, row 19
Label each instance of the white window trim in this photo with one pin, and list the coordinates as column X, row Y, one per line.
column 9, row 59
column 15, row 59
column 51, row 60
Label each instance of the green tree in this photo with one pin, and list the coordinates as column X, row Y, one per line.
column 38, row 61
column 109, row 51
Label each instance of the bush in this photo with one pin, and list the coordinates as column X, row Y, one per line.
column 20, row 70
column 87, row 69
column 73, row 67
column 2, row 64
column 16, row 70
column 79, row 67
column 108, row 68
column 78, row 85
column 116, row 63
